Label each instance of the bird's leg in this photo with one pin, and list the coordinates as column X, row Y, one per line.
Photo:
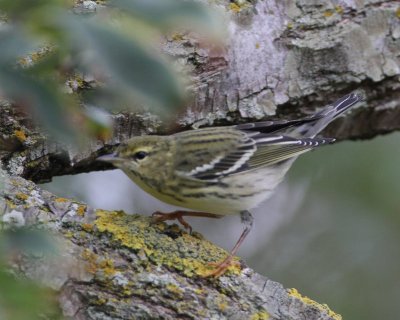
column 220, row 268
column 178, row 215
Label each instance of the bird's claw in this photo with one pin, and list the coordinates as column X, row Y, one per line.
column 221, row 267
column 160, row 216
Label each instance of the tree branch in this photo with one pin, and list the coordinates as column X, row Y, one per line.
column 124, row 267
column 282, row 60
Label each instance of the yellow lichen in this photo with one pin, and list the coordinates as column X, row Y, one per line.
column 61, row 200
column 81, row 234
column 88, row 227
column 81, row 210
column 127, row 292
column 177, row 37
column 260, row 315
column 234, row 7
column 20, row 135
column 100, row 301
column 175, row 290
column 257, row 45
column 198, row 291
column 398, row 12
column 90, row 258
column 69, row 234
column 221, row 303
column 339, row 9
column 21, row 196
column 14, row 182
column 322, row 307
column 107, row 266
column 328, row 13
column 95, row 263
column 188, row 254
column 34, row 57
column 10, row 204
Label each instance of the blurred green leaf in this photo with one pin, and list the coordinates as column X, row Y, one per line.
column 45, row 65
column 27, row 241
column 170, row 13
column 14, row 43
column 128, row 72
column 17, row 9
column 131, row 66
column 24, row 300
column 45, row 99
column 101, row 97
column 99, row 122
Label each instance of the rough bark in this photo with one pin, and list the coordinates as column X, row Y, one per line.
column 282, row 59
column 116, row 266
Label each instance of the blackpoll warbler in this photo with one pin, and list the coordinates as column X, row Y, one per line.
column 222, row 170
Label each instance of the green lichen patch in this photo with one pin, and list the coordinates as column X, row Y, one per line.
column 260, row 315
column 239, row 5
column 21, row 196
column 234, row 7
column 160, row 244
column 97, row 264
column 306, row 300
column 339, row 9
column 121, row 263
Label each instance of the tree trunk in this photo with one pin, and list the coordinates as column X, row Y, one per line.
column 282, row 59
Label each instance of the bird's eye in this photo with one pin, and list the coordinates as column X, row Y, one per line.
column 140, row 155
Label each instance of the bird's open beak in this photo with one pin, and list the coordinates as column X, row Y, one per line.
column 112, row 157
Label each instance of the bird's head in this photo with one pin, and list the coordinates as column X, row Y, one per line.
column 144, row 155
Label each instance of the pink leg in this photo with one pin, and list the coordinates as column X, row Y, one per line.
column 221, row 267
column 178, row 215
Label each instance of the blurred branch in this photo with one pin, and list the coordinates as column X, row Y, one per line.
column 117, row 266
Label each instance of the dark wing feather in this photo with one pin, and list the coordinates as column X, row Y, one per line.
column 276, row 125
column 269, row 153
column 209, row 154
column 228, row 164
column 212, row 152
column 307, row 126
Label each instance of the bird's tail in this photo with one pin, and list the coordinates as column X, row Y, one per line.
column 327, row 115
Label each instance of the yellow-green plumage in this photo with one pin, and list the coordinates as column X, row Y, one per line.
column 222, row 170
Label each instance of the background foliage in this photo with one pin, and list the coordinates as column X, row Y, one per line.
column 69, row 63
column 59, row 59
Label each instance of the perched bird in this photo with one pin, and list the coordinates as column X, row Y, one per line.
column 222, row 170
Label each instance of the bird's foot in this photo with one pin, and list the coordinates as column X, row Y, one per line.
column 176, row 215
column 219, row 268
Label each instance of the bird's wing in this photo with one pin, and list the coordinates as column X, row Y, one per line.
column 281, row 148
column 272, row 126
column 211, row 154
column 216, row 152
column 307, row 126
